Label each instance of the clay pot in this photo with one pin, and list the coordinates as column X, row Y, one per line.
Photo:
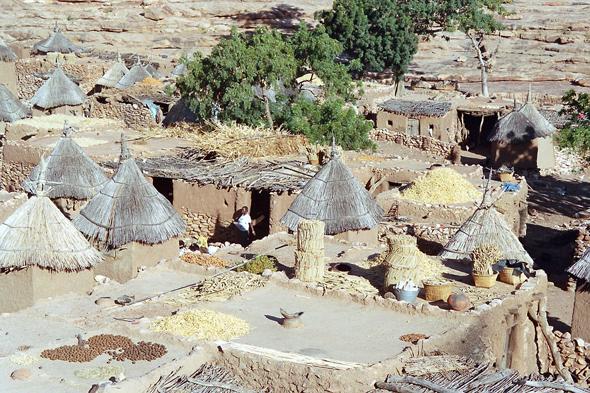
column 459, row 301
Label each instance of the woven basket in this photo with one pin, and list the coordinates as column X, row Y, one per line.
column 505, row 176
column 484, row 281
column 507, row 275
column 437, row 291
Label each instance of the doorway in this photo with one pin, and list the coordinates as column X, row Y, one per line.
column 164, row 187
column 260, row 212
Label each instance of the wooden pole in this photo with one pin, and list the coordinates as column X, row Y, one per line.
column 309, row 257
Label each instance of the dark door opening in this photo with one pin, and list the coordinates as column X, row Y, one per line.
column 479, row 129
column 260, row 212
column 164, row 187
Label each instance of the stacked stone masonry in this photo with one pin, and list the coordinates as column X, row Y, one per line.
column 133, row 115
column 429, row 145
column 203, row 225
column 13, row 174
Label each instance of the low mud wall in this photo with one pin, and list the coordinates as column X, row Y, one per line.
column 424, row 143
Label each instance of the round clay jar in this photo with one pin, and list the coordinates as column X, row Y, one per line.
column 459, row 301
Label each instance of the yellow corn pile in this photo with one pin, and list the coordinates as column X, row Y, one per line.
column 442, row 185
column 203, row 324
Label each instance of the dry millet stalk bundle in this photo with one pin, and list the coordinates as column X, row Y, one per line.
column 483, row 257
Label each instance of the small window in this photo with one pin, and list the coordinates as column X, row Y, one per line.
column 430, row 130
column 390, row 123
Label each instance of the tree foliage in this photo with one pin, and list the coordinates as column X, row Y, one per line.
column 241, row 70
column 576, row 132
column 383, row 34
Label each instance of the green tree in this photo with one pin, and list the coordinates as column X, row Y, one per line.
column 383, row 34
column 576, row 132
column 226, row 78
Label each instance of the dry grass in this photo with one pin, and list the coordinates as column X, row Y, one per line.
column 203, row 324
column 236, row 140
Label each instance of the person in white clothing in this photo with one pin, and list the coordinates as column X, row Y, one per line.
column 244, row 225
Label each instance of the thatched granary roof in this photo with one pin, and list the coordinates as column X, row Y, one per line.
column 154, row 73
column 129, row 209
column 180, row 111
column 6, row 54
column 485, row 226
column 70, row 172
column 57, row 43
column 179, row 70
column 337, row 198
column 136, row 74
column 515, row 127
column 11, row 109
column 416, row 108
column 539, row 122
column 58, row 90
column 113, row 75
column 581, row 269
column 39, row 234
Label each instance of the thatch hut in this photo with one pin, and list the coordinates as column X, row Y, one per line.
column 424, row 118
column 136, row 74
column 581, row 314
column 114, row 74
column 522, row 139
column 154, row 73
column 180, row 112
column 11, row 109
column 8, row 67
column 57, row 43
column 179, row 70
column 131, row 221
column 72, row 176
column 485, row 226
column 42, row 254
column 59, row 95
column 337, row 198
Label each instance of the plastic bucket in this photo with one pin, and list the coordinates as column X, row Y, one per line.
column 406, row 296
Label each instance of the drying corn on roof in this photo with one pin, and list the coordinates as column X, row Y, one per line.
column 441, row 185
column 203, row 324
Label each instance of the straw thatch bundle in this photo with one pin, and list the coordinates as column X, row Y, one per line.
column 11, row 109
column 113, row 75
column 57, row 43
column 485, row 226
column 581, row 269
column 484, row 257
column 401, row 260
column 70, row 172
column 337, row 198
column 39, row 234
column 541, row 124
column 416, row 108
column 309, row 257
column 58, row 90
column 129, row 209
column 6, row 54
column 136, row 74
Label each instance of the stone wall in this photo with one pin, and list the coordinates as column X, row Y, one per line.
column 134, row 115
column 424, row 143
column 13, row 174
column 204, row 225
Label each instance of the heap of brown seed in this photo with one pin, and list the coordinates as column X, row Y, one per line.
column 120, row 348
column 71, row 353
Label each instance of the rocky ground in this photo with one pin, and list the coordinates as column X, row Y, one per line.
column 544, row 43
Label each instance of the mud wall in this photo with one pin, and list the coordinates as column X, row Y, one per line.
column 17, row 162
column 279, row 204
column 538, row 153
column 435, row 127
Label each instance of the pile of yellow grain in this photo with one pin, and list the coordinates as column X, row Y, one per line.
column 203, row 324
column 151, row 81
column 441, row 185
column 203, row 260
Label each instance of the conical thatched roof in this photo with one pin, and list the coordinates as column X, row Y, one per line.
column 485, row 226
column 154, row 73
column 70, row 172
column 57, row 43
column 129, row 209
column 515, row 127
column 179, row 70
column 6, row 54
column 11, row 109
column 136, row 74
column 58, row 90
column 337, row 198
column 581, row 269
column 113, row 75
column 541, row 124
column 39, row 234
column 180, row 111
